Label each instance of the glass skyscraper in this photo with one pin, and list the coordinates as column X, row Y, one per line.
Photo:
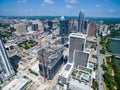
column 64, row 29
column 6, row 69
column 81, row 22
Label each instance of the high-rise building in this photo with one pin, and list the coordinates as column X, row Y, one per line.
column 29, row 28
column 53, row 59
column 103, row 30
column 21, row 29
column 85, row 26
column 77, row 42
column 40, row 24
column 64, row 29
column 6, row 69
column 50, row 23
column 74, row 26
column 35, row 27
column 81, row 22
column 80, row 58
column 92, row 29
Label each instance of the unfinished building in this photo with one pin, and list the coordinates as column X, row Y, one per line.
column 53, row 59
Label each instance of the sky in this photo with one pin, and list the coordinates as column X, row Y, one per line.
column 91, row 8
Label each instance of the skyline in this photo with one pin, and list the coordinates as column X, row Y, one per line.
column 93, row 8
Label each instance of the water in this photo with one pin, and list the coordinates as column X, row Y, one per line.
column 115, row 45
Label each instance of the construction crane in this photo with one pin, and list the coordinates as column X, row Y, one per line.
column 42, row 57
column 38, row 34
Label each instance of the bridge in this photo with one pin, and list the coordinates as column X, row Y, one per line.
column 115, row 39
column 111, row 54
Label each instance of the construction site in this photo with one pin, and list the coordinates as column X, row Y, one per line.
column 50, row 60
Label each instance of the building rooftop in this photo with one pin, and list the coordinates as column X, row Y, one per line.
column 66, row 70
column 51, row 51
column 17, row 84
column 76, row 85
column 78, row 35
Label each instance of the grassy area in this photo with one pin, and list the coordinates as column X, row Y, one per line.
column 94, row 85
column 111, row 73
column 94, row 46
column 118, row 63
column 105, row 42
column 5, row 34
column 27, row 44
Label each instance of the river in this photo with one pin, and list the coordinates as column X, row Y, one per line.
column 115, row 45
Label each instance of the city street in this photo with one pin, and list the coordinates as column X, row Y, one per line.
column 100, row 71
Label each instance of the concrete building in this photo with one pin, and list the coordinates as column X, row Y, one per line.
column 6, row 70
column 29, row 28
column 65, row 74
column 21, row 29
column 17, row 84
column 92, row 29
column 74, row 26
column 53, row 59
column 117, row 26
column 40, row 24
column 103, row 30
column 77, row 42
column 81, row 22
column 81, row 58
column 80, row 80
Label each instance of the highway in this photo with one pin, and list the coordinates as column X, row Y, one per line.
column 100, row 70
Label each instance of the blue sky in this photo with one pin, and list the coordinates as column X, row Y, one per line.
column 94, row 8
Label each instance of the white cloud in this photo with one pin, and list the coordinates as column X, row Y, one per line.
column 98, row 5
column 111, row 10
column 22, row 1
column 68, row 6
column 71, row 1
column 42, row 5
column 48, row 1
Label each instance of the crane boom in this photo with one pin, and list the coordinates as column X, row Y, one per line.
column 42, row 57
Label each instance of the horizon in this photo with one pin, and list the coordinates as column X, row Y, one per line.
column 53, row 16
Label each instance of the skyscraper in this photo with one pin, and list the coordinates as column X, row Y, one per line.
column 6, row 69
column 92, row 29
column 77, row 42
column 81, row 22
column 80, row 58
column 64, row 29
column 35, row 27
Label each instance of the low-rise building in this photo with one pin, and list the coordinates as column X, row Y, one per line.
column 17, row 84
column 65, row 74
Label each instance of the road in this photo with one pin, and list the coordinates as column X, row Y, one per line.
column 100, row 70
